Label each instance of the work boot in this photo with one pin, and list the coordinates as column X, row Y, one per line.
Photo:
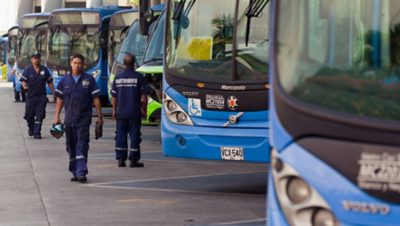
column 81, row 179
column 37, row 137
column 135, row 164
column 121, row 163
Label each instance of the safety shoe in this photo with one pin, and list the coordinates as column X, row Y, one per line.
column 81, row 179
column 74, row 179
column 30, row 133
column 121, row 163
column 37, row 137
column 135, row 164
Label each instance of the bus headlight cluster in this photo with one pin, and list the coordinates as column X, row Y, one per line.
column 174, row 112
column 301, row 203
column 96, row 73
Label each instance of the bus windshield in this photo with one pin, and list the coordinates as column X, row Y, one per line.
column 12, row 49
column 134, row 43
column 119, row 26
column 27, row 46
column 200, row 40
column 342, row 55
column 2, row 52
column 66, row 41
column 155, row 50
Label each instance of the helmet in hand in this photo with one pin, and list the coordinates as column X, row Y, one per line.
column 57, row 130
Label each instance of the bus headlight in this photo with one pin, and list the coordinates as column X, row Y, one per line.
column 174, row 112
column 323, row 217
column 96, row 73
column 299, row 201
column 171, row 106
column 297, row 190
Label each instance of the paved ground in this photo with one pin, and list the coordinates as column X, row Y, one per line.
column 35, row 187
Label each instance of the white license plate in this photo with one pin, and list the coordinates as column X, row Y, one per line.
column 232, row 153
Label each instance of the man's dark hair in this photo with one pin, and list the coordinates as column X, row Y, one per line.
column 129, row 60
column 78, row 56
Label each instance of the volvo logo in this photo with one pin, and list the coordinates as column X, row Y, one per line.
column 366, row 207
column 233, row 119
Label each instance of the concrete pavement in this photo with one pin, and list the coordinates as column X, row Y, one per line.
column 35, row 187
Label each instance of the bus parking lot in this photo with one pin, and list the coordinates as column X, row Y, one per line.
column 36, row 189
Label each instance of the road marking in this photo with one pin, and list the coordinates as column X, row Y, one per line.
column 174, row 178
column 148, row 201
column 242, row 222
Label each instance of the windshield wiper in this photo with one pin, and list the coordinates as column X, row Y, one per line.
column 253, row 10
column 153, row 59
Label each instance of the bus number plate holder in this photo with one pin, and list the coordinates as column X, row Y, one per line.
column 232, row 153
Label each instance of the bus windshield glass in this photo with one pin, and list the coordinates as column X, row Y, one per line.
column 134, row 43
column 200, row 40
column 342, row 55
column 155, row 50
column 119, row 26
column 12, row 49
column 66, row 41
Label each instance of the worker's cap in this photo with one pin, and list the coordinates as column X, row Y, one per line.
column 36, row 55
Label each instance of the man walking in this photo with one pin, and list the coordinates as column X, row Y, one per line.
column 128, row 101
column 34, row 79
column 77, row 91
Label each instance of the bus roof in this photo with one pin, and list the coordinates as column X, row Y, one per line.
column 36, row 15
column 123, row 18
column 103, row 11
column 30, row 20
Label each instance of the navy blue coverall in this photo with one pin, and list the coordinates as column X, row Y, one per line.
column 36, row 99
column 78, row 97
column 127, row 88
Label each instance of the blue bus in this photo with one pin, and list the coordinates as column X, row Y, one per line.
column 3, row 52
column 11, row 61
column 31, row 39
column 335, row 131
column 135, row 42
column 215, row 81
column 83, row 31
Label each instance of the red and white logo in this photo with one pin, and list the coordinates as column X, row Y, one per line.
column 232, row 103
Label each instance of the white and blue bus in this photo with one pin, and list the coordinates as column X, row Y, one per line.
column 215, row 80
column 31, row 39
column 335, row 113
column 11, row 61
column 80, row 31
column 3, row 55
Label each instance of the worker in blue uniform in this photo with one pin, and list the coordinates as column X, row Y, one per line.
column 33, row 80
column 76, row 92
column 129, row 101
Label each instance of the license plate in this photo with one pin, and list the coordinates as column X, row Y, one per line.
column 232, row 153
